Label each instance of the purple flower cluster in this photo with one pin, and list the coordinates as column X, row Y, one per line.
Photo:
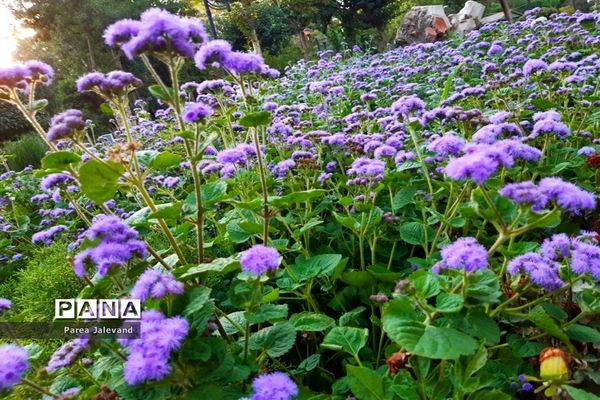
column 67, row 354
column 47, row 237
column 66, row 124
column 274, row 386
column 149, row 355
column 57, row 179
column 408, row 105
column 367, row 172
column 549, row 123
column 117, row 245
column 14, row 362
column 541, row 271
column 196, row 112
column 218, row 53
column 567, row 196
column 259, row 260
column 157, row 31
column 155, row 285
column 114, row 83
column 465, row 253
column 21, row 76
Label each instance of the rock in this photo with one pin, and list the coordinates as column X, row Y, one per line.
column 469, row 18
column 493, row 18
column 423, row 25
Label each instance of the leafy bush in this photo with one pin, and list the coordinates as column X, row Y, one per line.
column 27, row 150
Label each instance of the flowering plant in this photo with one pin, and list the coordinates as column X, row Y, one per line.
column 416, row 224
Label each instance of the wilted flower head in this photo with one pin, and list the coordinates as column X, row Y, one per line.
column 274, row 386
column 465, row 253
column 260, row 259
column 156, row 285
column 14, row 362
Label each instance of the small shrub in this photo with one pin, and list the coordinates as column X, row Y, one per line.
column 27, row 150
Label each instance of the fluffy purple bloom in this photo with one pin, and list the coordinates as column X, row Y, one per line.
column 156, row 285
column 171, row 181
column 52, row 180
column 525, row 193
column 585, row 258
column 67, row 354
column 465, row 253
column 384, row 151
column 541, row 271
column 260, row 259
column 21, row 75
column 232, row 156
column 274, row 386
column 586, row 151
column 66, row 124
column 196, row 112
column 47, row 237
column 477, row 166
column 149, row 355
column 215, row 51
column 557, row 247
column 117, row 245
column 5, row 304
column 407, row 105
column 14, row 362
column 39, row 71
column 157, row 31
column 551, row 115
column 447, row 145
column 270, row 106
column 548, row 126
column 500, row 117
column 533, row 66
column 568, row 196
column 283, row 167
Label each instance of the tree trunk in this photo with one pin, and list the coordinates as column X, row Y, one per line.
column 506, row 10
column 255, row 42
column 303, row 45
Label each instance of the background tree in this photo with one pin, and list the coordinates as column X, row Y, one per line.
column 365, row 14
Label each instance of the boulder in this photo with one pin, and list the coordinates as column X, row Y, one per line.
column 469, row 18
column 423, row 24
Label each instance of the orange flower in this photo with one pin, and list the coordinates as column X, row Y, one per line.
column 554, row 364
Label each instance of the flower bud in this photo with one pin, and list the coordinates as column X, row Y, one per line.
column 554, row 364
column 397, row 361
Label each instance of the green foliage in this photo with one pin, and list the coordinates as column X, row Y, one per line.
column 29, row 149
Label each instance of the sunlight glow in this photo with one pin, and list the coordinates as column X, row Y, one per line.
column 10, row 32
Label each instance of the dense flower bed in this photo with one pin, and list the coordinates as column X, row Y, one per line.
column 419, row 224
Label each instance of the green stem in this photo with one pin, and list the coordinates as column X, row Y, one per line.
column 423, row 165
column 263, row 184
column 38, row 388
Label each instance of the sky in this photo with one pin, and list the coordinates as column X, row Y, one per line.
column 10, row 32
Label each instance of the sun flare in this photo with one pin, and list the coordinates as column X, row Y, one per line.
column 10, row 33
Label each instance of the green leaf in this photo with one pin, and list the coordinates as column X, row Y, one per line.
column 106, row 110
column 219, row 265
column 311, row 322
column 297, row 197
column 444, row 343
column 484, row 286
column 60, row 160
column 347, row 339
column 199, row 308
column 37, row 105
column 426, row 284
column 169, row 211
column 449, row 303
column 583, row 333
column 351, row 316
column 494, row 394
column 480, row 325
column 310, row 363
column 522, row 347
column 319, row 265
column 543, row 321
column 165, row 160
column 275, row 340
column 256, row 119
column 579, row 394
column 267, row 312
column 161, row 94
column 99, row 180
column 404, row 197
column 367, row 384
column 212, row 193
column 544, row 104
column 413, row 233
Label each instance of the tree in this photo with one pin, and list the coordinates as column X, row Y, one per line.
column 357, row 14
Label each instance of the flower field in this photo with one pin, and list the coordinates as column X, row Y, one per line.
column 417, row 224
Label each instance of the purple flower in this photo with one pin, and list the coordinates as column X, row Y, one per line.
column 52, row 180
column 585, row 258
column 465, row 253
column 149, row 355
column 407, row 105
column 274, row 386
column 533, row 66
column 568, row 196
column 157, row 31
column 557, row 247
column 541, row 271
column 67, row 354
column 14, row 361
column 215, row 51
column 586, row 151
column 548, row 126
column 47, row 237
column 447, row 145
column 232, row 156
column 196, row 112
column 171, row 181
column 270, row 106
column 39, row 71
column 65, row 125
column 551, row 115
column 21, row 75
column 156, row 285
column 117, row 245
column 525, row 193
column 260, row 259
column 5, row 304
